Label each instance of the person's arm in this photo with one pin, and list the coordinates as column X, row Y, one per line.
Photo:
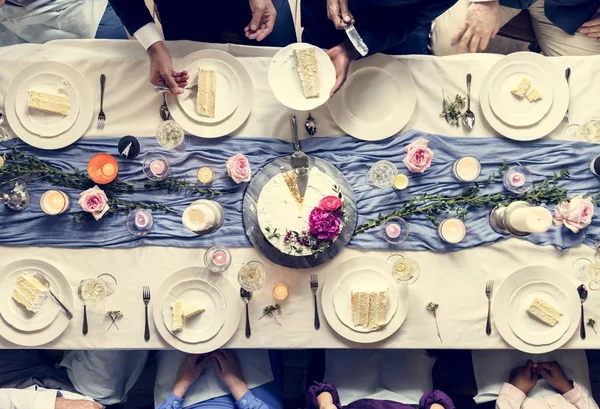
column 480, row 27
column 190, row 370
column 42, row 399
column 322, row 396
column 510, row 397
column 137, row 19
column 522, row 380
column 579, row 398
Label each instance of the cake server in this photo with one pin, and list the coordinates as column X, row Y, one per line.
column 299, row 161
column 356, row 40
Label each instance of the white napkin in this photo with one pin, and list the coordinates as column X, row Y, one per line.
column 396, row 375
column 493, row 368
column 255, row 365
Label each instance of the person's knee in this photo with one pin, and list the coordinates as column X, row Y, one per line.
column 441, row 39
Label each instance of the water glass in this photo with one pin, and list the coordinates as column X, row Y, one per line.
column 252, row 276
column 382, row 174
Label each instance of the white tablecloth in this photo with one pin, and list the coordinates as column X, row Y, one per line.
column 456, row 280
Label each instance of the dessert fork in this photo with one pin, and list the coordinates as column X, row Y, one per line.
column 101, row 115
column 146, row 298
column 489, row 287
column 167, row 89
column 314, row 286
column 246, row 296
column 46, row 283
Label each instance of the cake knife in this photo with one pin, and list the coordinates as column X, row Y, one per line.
column 299, row 161
column 356, row 40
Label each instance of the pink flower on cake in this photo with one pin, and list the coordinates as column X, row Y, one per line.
column 418, row 156
column 323, row 225
column 94, row 201
column 331, row 203
column 238, row 168
column 575, row 214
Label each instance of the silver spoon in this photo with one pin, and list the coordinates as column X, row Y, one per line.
column 583, row 293
column 3, row 134
column 469, row 116
column 164, row 109
column 310, row 125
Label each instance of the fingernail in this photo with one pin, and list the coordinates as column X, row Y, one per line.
column 253, row 27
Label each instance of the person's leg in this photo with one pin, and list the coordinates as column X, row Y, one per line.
column 105, row 376
column 416, row 42
column 24, row 368
column 110, row 26
column 554, row 41
column 448, row 24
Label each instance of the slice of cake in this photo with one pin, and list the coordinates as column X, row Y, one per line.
column 291, row 180
column 369, row 309
column 30, row 293
column 306, row 66
column 521, row 89
column 50, row 103
column 207, row 91
column 177, row 311
column 544, row 312
column 533, row 95
column 192, row 311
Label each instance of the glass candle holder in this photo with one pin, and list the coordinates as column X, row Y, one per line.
column 140, row 222
column 518, row 179
column 217, row 259
column 206, row 175
column 171, row 135
column 395, row 230
column 281, row 292
column 54, row 202
column 382, row 174
column 452, row 230
column 252, row 276
column 156, row 167
column 103, row 168
column 401, row 182
column 466, row 169
column 404, row 270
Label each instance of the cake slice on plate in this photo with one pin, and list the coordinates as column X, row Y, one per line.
column 544, row 312
column 192, row 311
column 177, row 311
column 30, row 293
column 49, row 103
column 307, row 68
column 207, row 91
column 369, row 309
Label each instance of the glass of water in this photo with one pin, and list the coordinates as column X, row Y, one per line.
column 382, row 174
column 171, row 135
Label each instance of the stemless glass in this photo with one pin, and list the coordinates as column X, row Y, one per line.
column 171, row 135
column 382, row 174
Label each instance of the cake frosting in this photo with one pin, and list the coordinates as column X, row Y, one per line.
column 307, row 68
column 30, row 293
column 207, row 90
column 50, row 103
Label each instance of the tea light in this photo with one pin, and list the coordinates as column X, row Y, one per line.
column 280, row 291
column 219, row 258
column 54, row 202
column 102, row 168
column 534, row 219
column 1, row 161
column 452, row 230
column 517, row 179
column 142, row 220
column 467, row 169
column 108, row 170
column 393, row 230
column 206, row 175
column 199, row 218
column 401, row 182
column 157, row 167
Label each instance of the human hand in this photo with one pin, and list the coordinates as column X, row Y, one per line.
column 1, row 3
column 62, row 403
column 481, row 25
column 337, row 11
column 590, row 28
column 553, row 373
column 263, row 19
column 325, row 401
column 229, row 372
column 190, row 370
column 161, row 69
column 524, row 377
column 341, row 56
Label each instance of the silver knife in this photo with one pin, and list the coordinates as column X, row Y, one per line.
column 299, row 161
column 356, row 40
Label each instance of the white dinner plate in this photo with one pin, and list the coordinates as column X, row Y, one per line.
column 363, row 280
column 550, row 121
column 231, row 320
column 203, row 326
column 227, row 96
column 85, row 111
column 515, row 111
column 335, row 276
column 285, row 82
column 41, row 123
column 58, row 325
column 230, row 123
column 520, row 278
column 377, row 100
column 16, row 315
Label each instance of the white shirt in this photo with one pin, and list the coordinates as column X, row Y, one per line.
column 513, row 398
column 148, row 35
column 34, row 398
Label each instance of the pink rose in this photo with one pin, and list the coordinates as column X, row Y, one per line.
column 331, row 203
column 575, row 214
column 238, row 168
column 418, row 156
column 94, row 201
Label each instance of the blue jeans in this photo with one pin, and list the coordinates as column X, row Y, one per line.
column 110, row 27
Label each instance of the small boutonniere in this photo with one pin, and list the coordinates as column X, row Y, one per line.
column 269, row 310
column 114, row 316
column 590, row 323
column 432, row 308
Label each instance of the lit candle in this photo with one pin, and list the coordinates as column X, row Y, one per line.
column 54, row 202
column 103, row 168
column 157, row 167
column 534, row 219
column 199, row 218
column 1, row 161
column 206, row 175
column 280, row 291
column 393, row 230
column 452, row 230
column 517, row 179
column 401, row 182
column 141, row 220
column 467, row 169
column 219, row 258
column 108, row 170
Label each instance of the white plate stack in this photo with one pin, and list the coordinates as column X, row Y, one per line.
column 515, row 295
column 517, row 118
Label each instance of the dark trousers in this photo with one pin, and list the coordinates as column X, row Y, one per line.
column 24, row 368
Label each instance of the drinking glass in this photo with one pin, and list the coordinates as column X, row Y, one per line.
column 382, row 174
column 171, row 135
column 93, row 291
column 404, row 270
column 252, row 276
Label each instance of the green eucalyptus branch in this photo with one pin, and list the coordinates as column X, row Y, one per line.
column 121, row 206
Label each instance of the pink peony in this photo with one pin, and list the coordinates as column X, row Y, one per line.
column 418, row 156
column 238, row 168
column 323, row 225
column 575, row 214
column 331, row 203
column 94, row 201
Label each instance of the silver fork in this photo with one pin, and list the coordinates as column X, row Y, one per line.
column 314, row 286
column 44, row 281
column 167, row 89
column 567, row 75
column 489, row 287
column 146, row 298
column 101, row 115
